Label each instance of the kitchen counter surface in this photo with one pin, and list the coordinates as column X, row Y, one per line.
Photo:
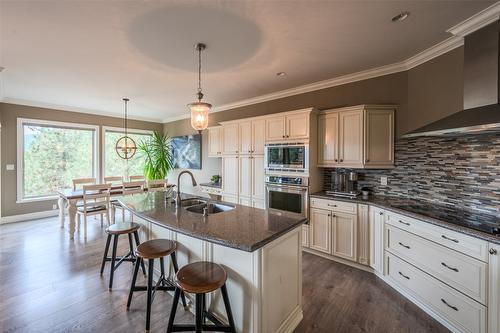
column 244, row 228
column 464, row 221
column 214, row 185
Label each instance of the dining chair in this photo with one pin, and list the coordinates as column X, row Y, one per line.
column 113, row 180
column 136, row 177
column 131, row 188
column 77, row 182
column 156, row 185
column 95, row 202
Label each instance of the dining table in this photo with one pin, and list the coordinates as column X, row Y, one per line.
column 69, row 198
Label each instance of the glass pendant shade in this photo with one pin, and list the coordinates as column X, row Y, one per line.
column 199, row 115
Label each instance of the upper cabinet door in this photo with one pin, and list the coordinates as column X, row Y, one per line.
column 379, row 138
column 230, row 142
column 328, row 139
column 258, row 136
column 275, row 128
column 214, row 141
column 245, row 133
column 245, row 179
column 351, row 138
column 297, row 126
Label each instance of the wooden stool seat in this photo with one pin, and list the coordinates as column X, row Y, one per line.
column 201, row 277
column 123, row 228
column 156, row 248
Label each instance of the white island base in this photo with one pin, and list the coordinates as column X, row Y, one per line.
column 264, row 286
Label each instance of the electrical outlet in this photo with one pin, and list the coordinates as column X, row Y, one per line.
column 54, row 207
column 10, row 167
column 383, row 181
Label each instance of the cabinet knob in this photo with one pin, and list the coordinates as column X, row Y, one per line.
column 283, row 136
column 367, row 160
column 335, row 160
column 493, row 251
column 341, row 160
column 381, row 213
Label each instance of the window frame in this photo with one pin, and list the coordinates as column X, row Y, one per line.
column 119, row 130
column 20, row 153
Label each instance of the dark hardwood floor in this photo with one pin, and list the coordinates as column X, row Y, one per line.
column 51, row 284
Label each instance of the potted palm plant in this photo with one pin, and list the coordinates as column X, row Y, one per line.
column 157, row 154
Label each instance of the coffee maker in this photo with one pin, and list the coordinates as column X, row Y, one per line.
column 344, row 183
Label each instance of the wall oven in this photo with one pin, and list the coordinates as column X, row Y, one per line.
column 288, row 195
column 287, row 157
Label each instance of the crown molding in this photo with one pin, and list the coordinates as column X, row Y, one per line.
column 435, row 51
column 8, row 100
column 477, row 21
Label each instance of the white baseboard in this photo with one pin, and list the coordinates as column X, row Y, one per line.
column 293, row 320
column 27, row 217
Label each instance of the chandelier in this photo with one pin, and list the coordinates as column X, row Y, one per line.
column 199, row 110
column 125, row 146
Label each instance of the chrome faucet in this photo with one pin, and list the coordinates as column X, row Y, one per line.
column 178, row 198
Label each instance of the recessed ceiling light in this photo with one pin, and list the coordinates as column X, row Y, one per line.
column 400, row 17
column 280, row 74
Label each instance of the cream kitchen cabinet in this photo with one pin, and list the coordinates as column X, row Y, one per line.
column 252, row 136
column 494, row 289
column 357, row 137
column 344, row 235
column 333, row 228
column 290, row 126
column 245, row 137
column 320, row 230
column 215, row 141
column 363, row 235
column 230, row 175
column 258, row 178
column 376, row 225
column 230, row 139
column 245, row 179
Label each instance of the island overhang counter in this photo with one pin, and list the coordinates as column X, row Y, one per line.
column 260, row 250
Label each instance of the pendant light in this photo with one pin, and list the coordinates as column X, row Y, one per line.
column 125, row 146
column 199, row 110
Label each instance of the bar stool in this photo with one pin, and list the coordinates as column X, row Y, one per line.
column 115, row 230
column 151, row 250
column 201, row 278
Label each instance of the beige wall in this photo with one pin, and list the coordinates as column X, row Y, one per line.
column 8, row 116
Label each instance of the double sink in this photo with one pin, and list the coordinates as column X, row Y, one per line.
column 205, row 207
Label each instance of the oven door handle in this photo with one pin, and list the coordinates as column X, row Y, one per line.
column 296, row 189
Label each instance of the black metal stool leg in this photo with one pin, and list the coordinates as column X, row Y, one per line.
column 105, row 256
column 176, row 268
column 199, row 314
column 134, row 279
column 227, row 305
column 130, row 244
column 203, row 310
column 137, row 243
column 173, row 310
column 113, row 258
column 162, row 270
column 149, row 292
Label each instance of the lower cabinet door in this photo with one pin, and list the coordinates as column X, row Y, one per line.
column 320, row 230
column 245, row 201
column 305, row 235
column 344, row 235
column 494, row 289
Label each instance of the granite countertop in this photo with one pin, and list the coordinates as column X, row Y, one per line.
column 215, row 185
column 244, row 228
column 465, row 222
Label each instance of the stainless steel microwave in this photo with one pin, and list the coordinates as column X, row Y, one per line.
column 282, row 156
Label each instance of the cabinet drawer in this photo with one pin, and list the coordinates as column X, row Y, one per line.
column 334, row 205
column 462, row 312
column 459, row 271
column 468, row 245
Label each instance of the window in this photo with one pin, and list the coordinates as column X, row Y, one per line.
column 51, row 154
column 114, row 165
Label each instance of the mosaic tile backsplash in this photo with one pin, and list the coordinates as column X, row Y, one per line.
column 460, row 171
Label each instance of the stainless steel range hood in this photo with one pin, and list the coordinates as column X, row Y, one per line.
column 481, row 88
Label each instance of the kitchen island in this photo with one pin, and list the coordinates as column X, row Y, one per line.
column 260, row 251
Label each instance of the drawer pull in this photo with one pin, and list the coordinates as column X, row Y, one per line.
column 330, row 205
column 450, row 306
column 405, row 276
column 493, row 251
column 405, row 223
column 403, row 245
column 450, row 239
column 452, row 268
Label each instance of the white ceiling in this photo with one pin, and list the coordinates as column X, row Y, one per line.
column 87, row 55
